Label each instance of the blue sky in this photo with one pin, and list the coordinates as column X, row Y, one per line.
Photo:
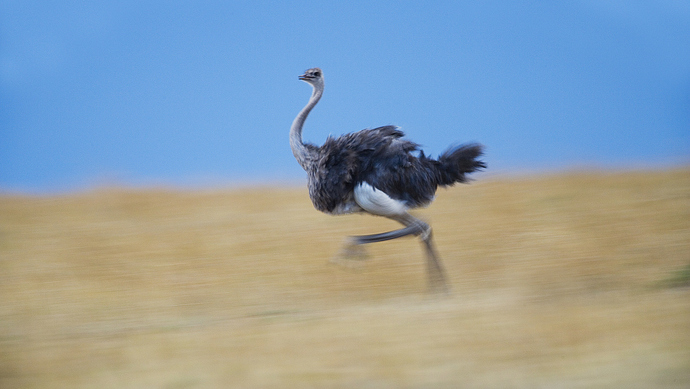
column 201, row 93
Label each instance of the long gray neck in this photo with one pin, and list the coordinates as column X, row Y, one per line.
column 298, row 149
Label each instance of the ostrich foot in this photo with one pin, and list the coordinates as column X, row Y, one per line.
column 352, row 256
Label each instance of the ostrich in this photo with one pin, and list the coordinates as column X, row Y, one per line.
column 377, row 172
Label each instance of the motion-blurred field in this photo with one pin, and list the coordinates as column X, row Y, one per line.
column 568, row 281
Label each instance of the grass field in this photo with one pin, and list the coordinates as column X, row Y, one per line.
column 577, row 280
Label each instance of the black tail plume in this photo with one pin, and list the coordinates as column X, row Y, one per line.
column 458, row 161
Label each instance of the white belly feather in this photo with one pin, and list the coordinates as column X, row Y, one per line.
column 377, row 202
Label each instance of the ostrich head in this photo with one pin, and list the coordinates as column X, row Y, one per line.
column 313, row 77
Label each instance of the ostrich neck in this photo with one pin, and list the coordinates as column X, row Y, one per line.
column 298, row 149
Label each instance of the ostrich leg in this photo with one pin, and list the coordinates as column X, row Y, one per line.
column 434, row 269
column 435, row 273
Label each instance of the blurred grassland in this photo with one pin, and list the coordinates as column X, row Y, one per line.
column 577, row 280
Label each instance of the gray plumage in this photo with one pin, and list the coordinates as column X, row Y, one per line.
column 378, row 160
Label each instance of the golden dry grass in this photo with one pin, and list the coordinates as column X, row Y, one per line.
column 556, row 281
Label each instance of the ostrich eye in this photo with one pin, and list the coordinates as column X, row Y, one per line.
column 317, row 74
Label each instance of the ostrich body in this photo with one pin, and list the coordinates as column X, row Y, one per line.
column 376, row 171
